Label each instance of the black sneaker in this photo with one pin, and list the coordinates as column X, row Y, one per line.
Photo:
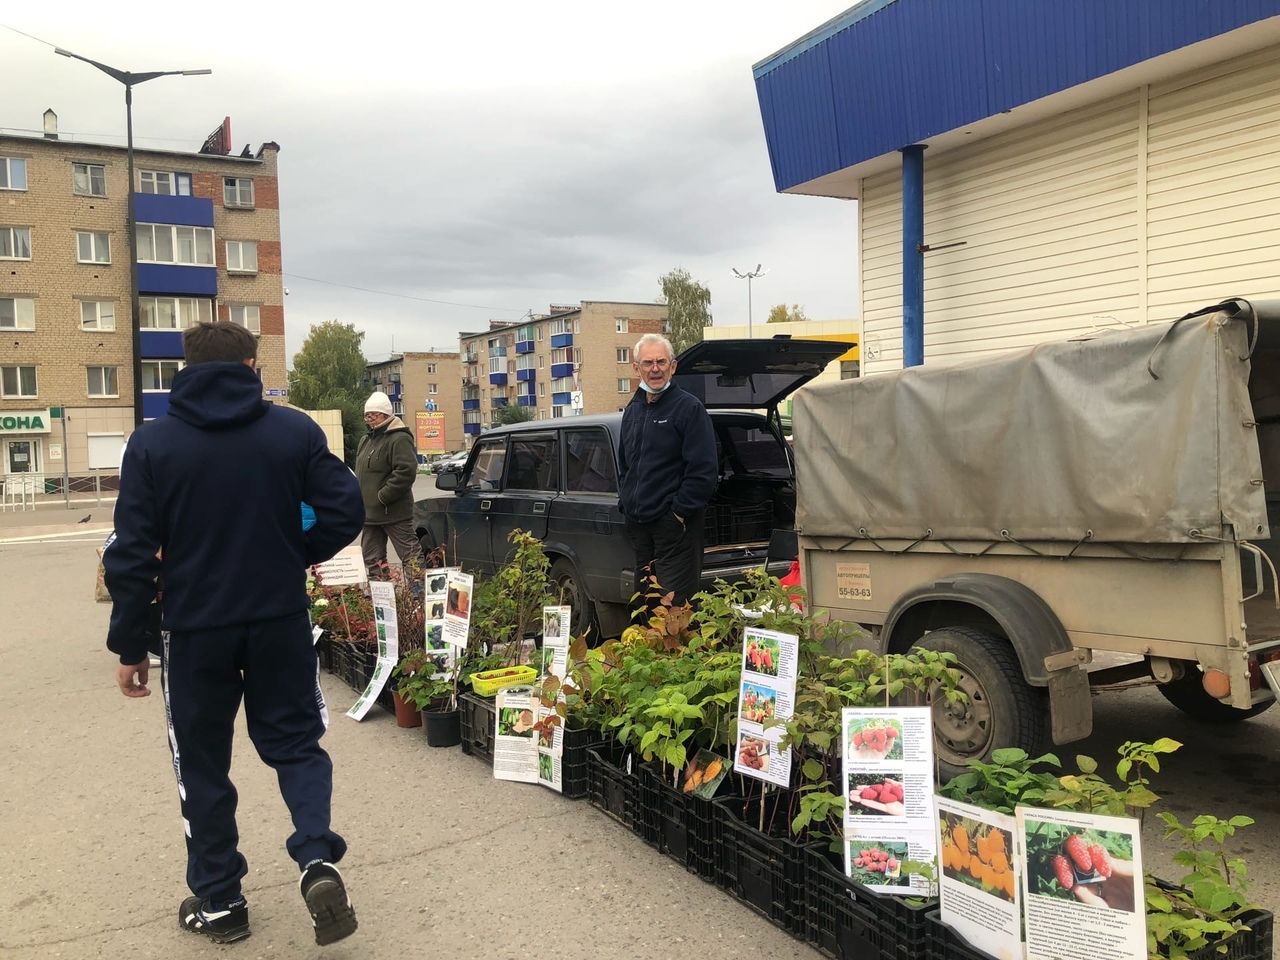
column 326, row 896
column 227, row 925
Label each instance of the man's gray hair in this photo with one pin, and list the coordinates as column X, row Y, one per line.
column 649, row 338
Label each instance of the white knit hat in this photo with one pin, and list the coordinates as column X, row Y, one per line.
column 379, row 402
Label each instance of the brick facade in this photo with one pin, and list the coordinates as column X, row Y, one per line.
column 59, row 348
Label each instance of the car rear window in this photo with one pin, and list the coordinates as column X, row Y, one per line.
column 533, row 463
column 588, row 462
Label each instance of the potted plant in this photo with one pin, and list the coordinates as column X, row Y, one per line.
column 429, row 682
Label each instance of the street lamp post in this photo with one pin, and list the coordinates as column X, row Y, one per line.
column 749, row 276
column 130, row 79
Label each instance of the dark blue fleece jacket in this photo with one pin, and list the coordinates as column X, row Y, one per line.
column 215, row 486
column 666, row 456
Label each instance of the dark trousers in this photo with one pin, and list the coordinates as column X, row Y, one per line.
column 373, row 544
column 272, row 664
column 670, row 551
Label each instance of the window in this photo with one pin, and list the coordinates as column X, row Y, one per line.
column 542, row 360
column 17, row 313
column 561, row 326
column 161, row 243
column 89, row 179
column 624, row 384
column 486, row 471
column 540, row 334
column 431, row 368
column 524, row 335
column 563, row 355
column 164, row 183
column 432, row 388
column 13, row 173
column 497, row 364
column 237, row 192
column 97, row 315
column 172, row 313
column 665, row 326
column 542, row 389
column 242, row 256
column 104, row 381
column 620, row 324
column 93, row 247
column 525, row 362
column 15, row 243
column 562, row 385
column 753, row 450
column 249, row 316
column 159, row 374
column 558, row 412
column 17, row 381
column 589, row 462
column 624, row 355
column 532, row 464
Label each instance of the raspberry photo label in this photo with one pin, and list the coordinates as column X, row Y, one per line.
column 766, row 698
column 888, row 789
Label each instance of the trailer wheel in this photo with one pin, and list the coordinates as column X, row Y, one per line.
column 1000, row 710
column 568, row 588
column 1188, row 695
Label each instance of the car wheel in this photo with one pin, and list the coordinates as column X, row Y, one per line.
column 567, row 587
column 1187, row 693
column 1000, row 708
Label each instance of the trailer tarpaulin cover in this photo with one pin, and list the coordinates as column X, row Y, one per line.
column 1064, row 441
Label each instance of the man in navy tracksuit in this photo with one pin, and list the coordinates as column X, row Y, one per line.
column 667, row 460
column 208, row 514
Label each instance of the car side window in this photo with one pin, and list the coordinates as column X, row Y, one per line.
column 588, row 462
column 533, row 463
column 486, row 472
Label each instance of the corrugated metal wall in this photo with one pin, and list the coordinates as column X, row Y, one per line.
column 1130, row 210
column 1213, row 185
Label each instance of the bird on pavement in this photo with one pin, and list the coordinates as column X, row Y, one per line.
column 86, row 518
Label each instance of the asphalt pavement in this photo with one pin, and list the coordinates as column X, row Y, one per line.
column 444, row 861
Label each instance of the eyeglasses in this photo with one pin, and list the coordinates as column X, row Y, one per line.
column 653, row 364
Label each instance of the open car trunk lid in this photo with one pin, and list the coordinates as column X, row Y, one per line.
column 752, row 374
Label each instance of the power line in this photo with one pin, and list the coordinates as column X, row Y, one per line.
column 403, row 296
column 28, row 36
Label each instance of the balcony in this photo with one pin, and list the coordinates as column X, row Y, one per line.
column 162, row 344
column 527, row 400
column 498, row 379
column 561, row 340
column 525, row 346
column 395, row 391
column 561, row 370
column 498, row 402
column 183, row 211
column 473, row 404
column 177, row 279
column 561, row 399
column 526, row 376
column 471, row 428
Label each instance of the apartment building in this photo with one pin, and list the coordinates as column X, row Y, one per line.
column 208, row 245
column 422, row 386
column 574, row 360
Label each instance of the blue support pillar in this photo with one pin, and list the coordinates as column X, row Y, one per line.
column 913, row 255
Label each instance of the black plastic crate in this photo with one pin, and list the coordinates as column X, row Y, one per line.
column 943, row 943
column 476, row 718
column 574, row 778
column 847, row 920
column 765, row 872
column 682, row 826
column 737, row 523
column 611, row 788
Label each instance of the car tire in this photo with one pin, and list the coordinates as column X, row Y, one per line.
column 1001, row 709
column 567, row 587
column 1188, row 695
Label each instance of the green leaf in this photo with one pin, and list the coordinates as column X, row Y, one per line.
column 1165, row 745
column 813, row 769
column 1086, row 764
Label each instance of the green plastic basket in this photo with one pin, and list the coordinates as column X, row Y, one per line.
column 488, row 682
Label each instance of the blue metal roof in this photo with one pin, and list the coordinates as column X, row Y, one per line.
column 889, row 73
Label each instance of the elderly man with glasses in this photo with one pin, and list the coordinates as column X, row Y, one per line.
column 667, row 460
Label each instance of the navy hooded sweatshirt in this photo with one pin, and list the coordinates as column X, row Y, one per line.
column 215, row 486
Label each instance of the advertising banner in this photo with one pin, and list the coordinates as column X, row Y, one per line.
column 429, row 431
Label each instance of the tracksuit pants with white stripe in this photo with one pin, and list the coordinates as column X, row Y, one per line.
column 272, row 665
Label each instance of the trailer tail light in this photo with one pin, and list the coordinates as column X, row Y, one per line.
column 1255, row 674
column 1217, row 684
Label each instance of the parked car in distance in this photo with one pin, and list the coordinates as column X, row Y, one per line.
column 453, row 461
column 558, row 479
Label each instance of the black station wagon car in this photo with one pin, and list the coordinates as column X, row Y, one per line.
column 558, row 479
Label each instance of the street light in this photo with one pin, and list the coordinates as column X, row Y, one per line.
column 130, row 79
column 749, row 276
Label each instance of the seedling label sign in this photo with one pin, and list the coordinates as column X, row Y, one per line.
column 766, row 694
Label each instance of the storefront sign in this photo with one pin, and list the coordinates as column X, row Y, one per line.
column 25, row 421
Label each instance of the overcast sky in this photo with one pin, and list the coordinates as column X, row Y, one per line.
column 506, row 155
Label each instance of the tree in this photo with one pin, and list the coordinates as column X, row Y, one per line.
column 327, row 374
column 688, row 307
column 780, row 314
column 507, row 415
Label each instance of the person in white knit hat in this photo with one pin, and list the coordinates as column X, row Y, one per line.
column 386, row 465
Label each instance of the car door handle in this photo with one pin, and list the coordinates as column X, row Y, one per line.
column 601, row 522
column 539, row 507
column 485, row 504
